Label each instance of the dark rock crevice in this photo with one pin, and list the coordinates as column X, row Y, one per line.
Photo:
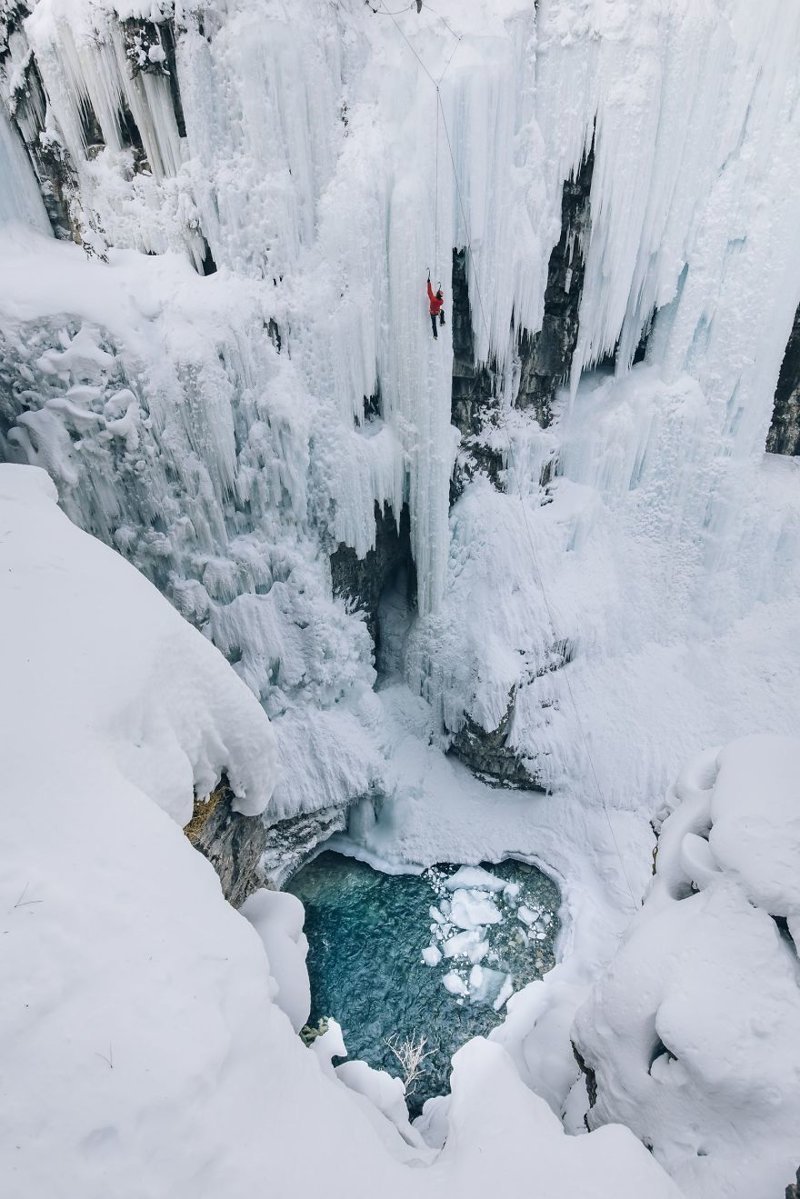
column 784, row 431
column 473, row 406
column 590, row 1078
column 489, row 757
column 150, row 50
column 364, row 581
column 546, row 356
column 58, row 181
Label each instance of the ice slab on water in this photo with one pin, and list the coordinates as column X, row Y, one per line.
column 485, row 985
column 475, row 878
column 468, row 944
column 453, row 983
column 472, row 909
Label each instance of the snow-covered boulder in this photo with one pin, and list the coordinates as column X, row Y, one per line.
column 693, row 1035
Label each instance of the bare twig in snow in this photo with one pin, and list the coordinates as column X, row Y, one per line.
column 22, row 902
column 410, row 1053
column 108, row 1058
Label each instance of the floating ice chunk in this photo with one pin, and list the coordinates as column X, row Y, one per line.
column 510, row 891
column 431, row 956
column 487, row 986
column 454, row 984
column 504, row 994
column 468, row 944
column 475, row 878
column 436, row 915
column 470, row 909
column 526, row 915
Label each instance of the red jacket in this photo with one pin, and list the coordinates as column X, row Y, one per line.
column 436, row 303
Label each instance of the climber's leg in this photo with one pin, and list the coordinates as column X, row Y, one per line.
column 433, row 326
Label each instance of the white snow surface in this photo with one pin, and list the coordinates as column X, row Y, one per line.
column 694, row 1031
column 142, row 1052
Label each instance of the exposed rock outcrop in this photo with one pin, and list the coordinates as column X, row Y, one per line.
column 490, row 758
column 473, row 407
column 290, row 843
column 28, row 111
column 784, row 432
column 247, row 852
column 234, row 844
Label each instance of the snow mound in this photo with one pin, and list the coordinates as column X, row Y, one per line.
column 694, row 1032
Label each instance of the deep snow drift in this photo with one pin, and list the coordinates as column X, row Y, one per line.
column 144, row 1047
column 694, row 1033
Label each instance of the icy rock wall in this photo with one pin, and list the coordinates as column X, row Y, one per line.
column 176, row 432
column 215, row 431
column 664, row 553
column 784, row 431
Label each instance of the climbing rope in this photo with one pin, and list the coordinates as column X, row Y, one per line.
column 436, row 83
column 436, row 195
column 539, row 577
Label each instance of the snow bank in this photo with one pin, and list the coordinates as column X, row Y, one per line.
column 125, row 674
column 142, row 1052
column 694, row 1031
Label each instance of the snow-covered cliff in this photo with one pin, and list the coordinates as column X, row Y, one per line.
column 242, row 375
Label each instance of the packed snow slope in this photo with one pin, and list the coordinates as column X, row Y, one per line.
column 213, row 426
column 145, row 1050
column 694, row 1032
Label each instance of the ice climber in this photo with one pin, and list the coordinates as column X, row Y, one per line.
column 436, row 306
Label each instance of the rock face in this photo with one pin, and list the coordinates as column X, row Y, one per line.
column 27, row 105
column 290, row 843
column 474, row 402
column 784, row 432
column 364, row 580
column 793, row 1189
column 546, row 356
column 247, row 852
column 488, row 756
column 234, row 844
